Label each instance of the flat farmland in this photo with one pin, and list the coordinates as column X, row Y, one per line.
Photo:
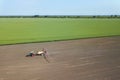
column 84, row 59
column 27, row 30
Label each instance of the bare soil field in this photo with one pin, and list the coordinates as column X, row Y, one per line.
column 84, row 59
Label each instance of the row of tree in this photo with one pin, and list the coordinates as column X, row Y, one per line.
column 64, row 16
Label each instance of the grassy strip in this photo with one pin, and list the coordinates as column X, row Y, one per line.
column 59, row 40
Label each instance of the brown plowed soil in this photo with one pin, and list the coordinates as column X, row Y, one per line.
column 84, row 59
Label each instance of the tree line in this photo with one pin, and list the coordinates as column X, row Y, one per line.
column 64, row 16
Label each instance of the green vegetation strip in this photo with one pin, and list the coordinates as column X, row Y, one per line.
column 25, row 30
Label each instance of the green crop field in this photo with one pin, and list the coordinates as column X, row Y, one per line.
column 25, row 30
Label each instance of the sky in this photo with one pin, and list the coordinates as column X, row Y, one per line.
column 59, row 7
